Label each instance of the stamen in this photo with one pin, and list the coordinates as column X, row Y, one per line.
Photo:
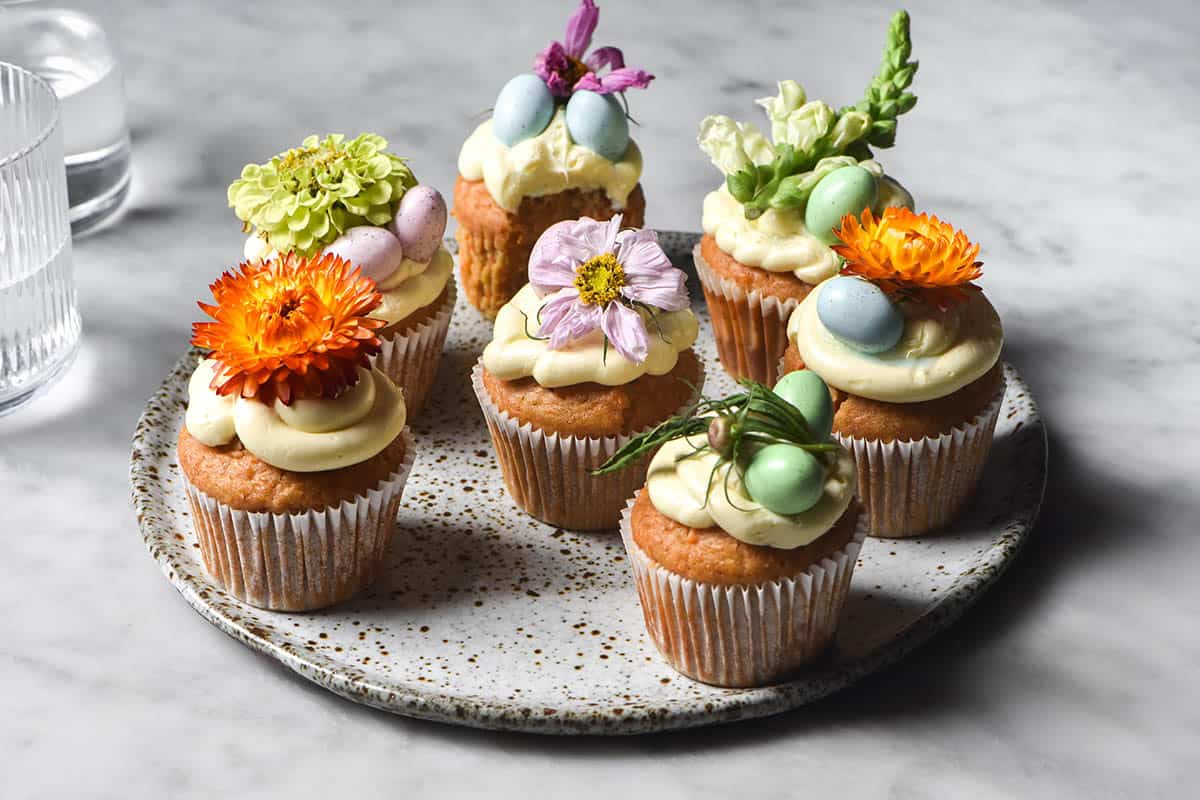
column 600, row 279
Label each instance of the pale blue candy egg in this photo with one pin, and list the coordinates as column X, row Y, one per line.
column 846, row 190
column 808, row 393
column 523, row 109
column 598, row 122
column 860, row 314
column 785, row 479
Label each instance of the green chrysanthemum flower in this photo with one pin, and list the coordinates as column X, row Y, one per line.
column 303, row 199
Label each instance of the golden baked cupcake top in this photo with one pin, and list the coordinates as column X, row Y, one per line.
column 288, row 370
column 782, row 198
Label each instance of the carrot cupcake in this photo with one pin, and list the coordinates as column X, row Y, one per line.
column 769, row 227
column 595, row 349
column 358, row 201
column 294, row 450
column 746, row 534
column 556, row 148
column 910, row 348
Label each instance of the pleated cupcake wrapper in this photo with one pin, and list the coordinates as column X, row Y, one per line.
column 549, row 475
column 411, row 358
column 750, row 328
column 742, row 635
column 911, row 488
column 304, row 561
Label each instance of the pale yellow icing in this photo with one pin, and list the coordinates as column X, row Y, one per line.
column 514, row 352
column 548, row 163
column 938, row 353
column 419, row 286
column 683, row 486
column 312, row 435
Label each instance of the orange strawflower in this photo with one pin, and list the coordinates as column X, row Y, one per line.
column 290, row 327
column 907, row 253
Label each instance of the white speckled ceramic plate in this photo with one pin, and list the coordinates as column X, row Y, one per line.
column 484, row 617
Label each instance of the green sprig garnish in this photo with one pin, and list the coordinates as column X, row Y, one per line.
column 789, row 179
column 735, row 426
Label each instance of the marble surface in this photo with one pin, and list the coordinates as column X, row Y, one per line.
column 1058, row 134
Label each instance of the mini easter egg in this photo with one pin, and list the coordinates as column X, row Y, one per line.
column 846, row 190
column 373, row 250
column 785, row 479
column 598, row 122
column 420, row 222
column 892, row 194
column 257, row 249
column 523, row 109
column 860, row 314
column 808, row 393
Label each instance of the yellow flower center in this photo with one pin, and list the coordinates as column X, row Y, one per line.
column 599, row 279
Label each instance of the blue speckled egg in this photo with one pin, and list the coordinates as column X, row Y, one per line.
column 846, row 190
column 598, row 122
column 785, row 479
column 808, row 393
column 860, row 314
column 523, row 109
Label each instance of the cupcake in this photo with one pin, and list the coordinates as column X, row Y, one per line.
column 744, row 539
column 910, row 348
column 294, row 450
column 557, row 148
column 355, row 200
column 768, row 229
column 594, row 350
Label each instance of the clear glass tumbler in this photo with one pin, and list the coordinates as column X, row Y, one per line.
column 39, row 322
column 71, row 51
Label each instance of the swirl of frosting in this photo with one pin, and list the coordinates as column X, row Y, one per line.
column 684, row 487
column 413, row 285
column 938, row 353
column 310, row 435
column 514, row 352
column 548, row 163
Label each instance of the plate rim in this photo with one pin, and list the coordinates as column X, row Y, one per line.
column 486, row 713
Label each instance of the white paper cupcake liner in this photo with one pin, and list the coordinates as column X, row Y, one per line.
column 911, row 488
column 305, row 561
column 742, row 635
column 411, row 358
column 750, row 328
column 549, row 475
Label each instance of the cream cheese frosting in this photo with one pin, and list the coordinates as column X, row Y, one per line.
column 514, row 353
column 310, row 435
column 684, row 487
column 938, row 353
column 548, row 163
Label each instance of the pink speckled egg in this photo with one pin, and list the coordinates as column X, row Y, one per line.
column 376, row 251
column 420, row 222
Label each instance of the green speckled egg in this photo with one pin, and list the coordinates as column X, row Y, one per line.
column 806, row 391
column 785, row 479
column 846, row 190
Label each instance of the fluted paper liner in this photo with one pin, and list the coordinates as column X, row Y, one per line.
column 411, row 358
column 305, row 561
column 742, row 635
column 750, row 328
column 910, row 488
column 549, row 475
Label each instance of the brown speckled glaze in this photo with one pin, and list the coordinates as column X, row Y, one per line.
column 485, row 617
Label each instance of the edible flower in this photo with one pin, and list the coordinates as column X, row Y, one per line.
column 595, row 275
column 907, row 253
column 564, row 68
column 289, row 328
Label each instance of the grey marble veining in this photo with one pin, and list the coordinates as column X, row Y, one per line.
column 1060, row 135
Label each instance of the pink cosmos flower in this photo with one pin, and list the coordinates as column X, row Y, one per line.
column 595, row 275
column 564, row 69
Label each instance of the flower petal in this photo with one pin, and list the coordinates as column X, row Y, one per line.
column 616, row 81
column 554, row 258
column 552, row 65
column 650, row 276
column 603, row 57
column 580, row 28
column 626, row 330
column 566, row 318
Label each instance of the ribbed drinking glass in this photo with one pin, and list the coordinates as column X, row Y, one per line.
column 39, row 322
